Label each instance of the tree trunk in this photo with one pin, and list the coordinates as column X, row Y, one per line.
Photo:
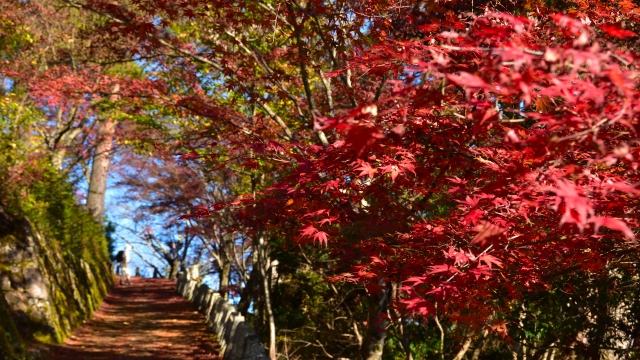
column 101, row 162
column 401, row 321
column 263, row 265
column 225, row 273
column 57, row 158
column 479, row 345
column 225, row 265
column 465, row 347
column 373, row 344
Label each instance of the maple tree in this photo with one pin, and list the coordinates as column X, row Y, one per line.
column 68, row 91
column 504, row 139
column 466, row 164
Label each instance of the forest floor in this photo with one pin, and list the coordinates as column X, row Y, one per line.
column 147, row 320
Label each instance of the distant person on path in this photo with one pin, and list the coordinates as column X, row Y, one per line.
column 174, row 258
column 123, row 258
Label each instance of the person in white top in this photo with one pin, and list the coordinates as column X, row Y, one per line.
column 125, row 275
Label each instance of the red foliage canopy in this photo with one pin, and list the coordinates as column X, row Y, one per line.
column 512, row 157
column 502, row 154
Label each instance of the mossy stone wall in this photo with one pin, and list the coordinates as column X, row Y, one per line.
column 46, row 289
column 11, row 343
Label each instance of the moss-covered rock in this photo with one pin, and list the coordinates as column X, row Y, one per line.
column 46, row 290
column 11, row 344
column 54, row 263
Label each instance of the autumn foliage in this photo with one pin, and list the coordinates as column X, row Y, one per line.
column 459, row 161
column 524, row 128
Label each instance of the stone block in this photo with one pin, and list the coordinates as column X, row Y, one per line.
column 5, row 282
column 16, row 277
column 254, row 350
column 17, row 300
column 37, row 314
column 14, row 256
column 37, row 291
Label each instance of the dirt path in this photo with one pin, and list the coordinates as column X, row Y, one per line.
column 146, row 320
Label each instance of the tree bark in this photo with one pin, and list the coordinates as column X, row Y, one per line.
column 225, row 265
column 479, row 345
column 465, row 347
column 225, row 273
column 263, row 265
column 101, row 163
column 373, row 344
column 401, row 321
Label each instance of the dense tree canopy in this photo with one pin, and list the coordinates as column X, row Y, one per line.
column 364, row 171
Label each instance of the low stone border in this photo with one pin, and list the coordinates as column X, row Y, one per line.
column 238, row 341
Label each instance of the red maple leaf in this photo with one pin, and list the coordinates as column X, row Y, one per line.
column 327, row 220
column 442, row 268
column 577, row 207
column 393, row 169
column 613, row 224
column 362, row 137
column 489, row 260
column 484, row 231
column 459, row 257
column 321, row 237
column 473, row 217
column 366, row 169
column 472, row 202
column 468, row 80
column 308, row 230
column 617, row 31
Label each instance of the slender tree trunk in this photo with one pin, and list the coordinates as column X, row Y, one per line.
column 258, row 307
column 101, row 162
column 264, row 267
column 479, row 345
column 406, row 343
column 402, row 326
column 225, row 266
column 225, row 273
column 465, row 347
column 373, row 344
column 57, row 158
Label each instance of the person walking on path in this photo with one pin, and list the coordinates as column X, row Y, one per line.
column 123, row 258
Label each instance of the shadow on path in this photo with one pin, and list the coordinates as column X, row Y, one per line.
column 146, row 320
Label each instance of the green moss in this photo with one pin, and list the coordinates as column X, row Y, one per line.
column 45, row 338
column 68, row 242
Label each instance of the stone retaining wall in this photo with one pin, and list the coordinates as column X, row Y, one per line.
column 238, row 341
column 46, row 293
